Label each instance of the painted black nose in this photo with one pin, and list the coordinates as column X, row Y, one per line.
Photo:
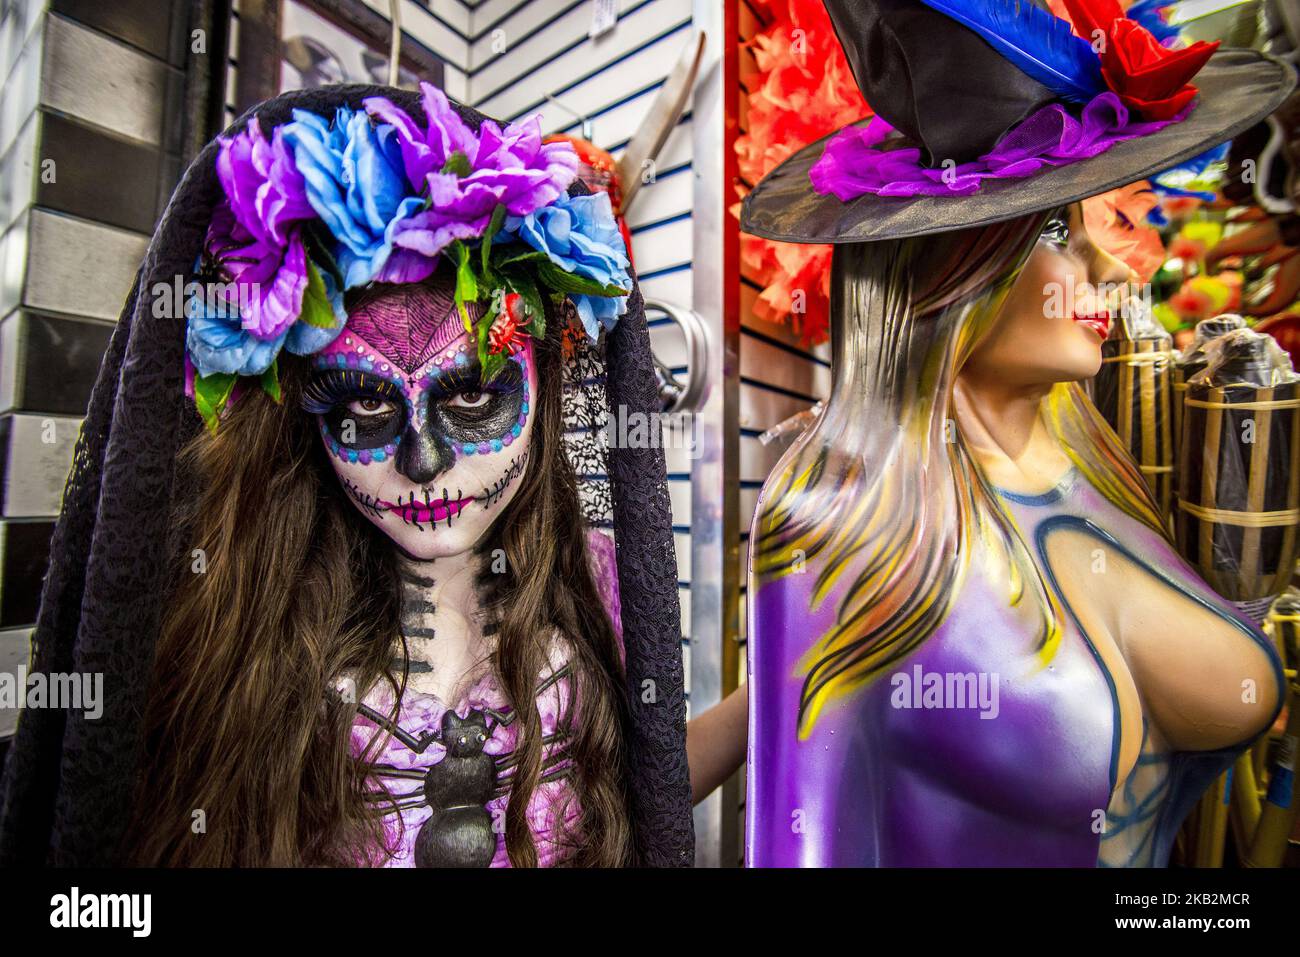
column 421, row 457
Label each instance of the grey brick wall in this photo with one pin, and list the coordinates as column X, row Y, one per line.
column 93, row 126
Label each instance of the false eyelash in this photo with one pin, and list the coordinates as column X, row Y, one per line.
column 327, row 389
column 468, row 378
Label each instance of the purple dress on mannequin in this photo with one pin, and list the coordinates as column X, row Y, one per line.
column 1021, row 775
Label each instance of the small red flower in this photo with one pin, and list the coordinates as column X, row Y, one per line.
column 508, row 328
column 1191, row 304
column 1151, row 80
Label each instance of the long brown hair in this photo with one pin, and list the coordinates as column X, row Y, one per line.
column 282, row 588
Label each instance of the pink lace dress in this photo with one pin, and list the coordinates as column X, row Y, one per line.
column 452, row 772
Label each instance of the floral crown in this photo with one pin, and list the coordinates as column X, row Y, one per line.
column 326, row 206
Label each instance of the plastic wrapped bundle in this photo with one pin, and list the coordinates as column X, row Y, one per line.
column 1239, row 486
column 1192, row 360
column 1285, row 621
column 1134, row 392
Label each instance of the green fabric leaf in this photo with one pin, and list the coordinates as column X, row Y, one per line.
column 493, row 363
column 490, row 364
column 466, row 282
column 318, row 250
column 485, row 248
column 211, row 393
column 523, row 283
column 271, row 381
column 316, row 308
column 458, row 163
column 509, row 258
column 556, row 279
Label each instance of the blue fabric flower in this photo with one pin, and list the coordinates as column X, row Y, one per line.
column 357, row 185
column 217, row 342
column 305, row 339
column 579, row 234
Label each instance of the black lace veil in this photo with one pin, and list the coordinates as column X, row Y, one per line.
column 68, row 782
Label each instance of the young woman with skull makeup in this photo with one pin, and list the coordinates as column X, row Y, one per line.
column 365, row 617
column 435, row 520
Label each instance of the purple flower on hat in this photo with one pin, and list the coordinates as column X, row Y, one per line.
column 465, row 176
column 853, row 164
column 355, row 183
column 254, row 234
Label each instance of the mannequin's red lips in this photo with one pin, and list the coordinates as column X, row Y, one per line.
column 428, row 512
column 1097, row 322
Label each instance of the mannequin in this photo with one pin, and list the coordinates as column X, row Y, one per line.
column 971, row 640
column 1009, row 663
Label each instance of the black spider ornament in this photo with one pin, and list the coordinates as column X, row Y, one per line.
column 460, row 832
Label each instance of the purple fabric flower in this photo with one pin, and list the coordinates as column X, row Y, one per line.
column 427, row 151
column 852, row 166
column 254, row 235
column 267, row 280
column 466, row 175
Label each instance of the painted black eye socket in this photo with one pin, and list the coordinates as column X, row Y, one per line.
column 467, row 411
column 360, row 410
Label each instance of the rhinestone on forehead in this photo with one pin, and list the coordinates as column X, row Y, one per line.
column 409, row 325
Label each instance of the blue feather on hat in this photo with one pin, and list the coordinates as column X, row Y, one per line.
column 1035, row 41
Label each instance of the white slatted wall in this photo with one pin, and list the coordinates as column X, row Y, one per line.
column 524, row 49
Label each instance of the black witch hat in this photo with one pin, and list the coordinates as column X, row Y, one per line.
column 995, row 109
column 67, row 789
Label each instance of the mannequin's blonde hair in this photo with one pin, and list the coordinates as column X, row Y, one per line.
column 882, row 496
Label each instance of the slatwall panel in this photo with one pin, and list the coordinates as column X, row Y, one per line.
column 443, row 27
column 524, row 49
column 90, row 146
column 21, row 54
column 779, row 378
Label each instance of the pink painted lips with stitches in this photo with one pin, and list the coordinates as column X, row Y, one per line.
column 430, row 511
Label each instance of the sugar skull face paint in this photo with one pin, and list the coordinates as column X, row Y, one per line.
column 424, row 449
